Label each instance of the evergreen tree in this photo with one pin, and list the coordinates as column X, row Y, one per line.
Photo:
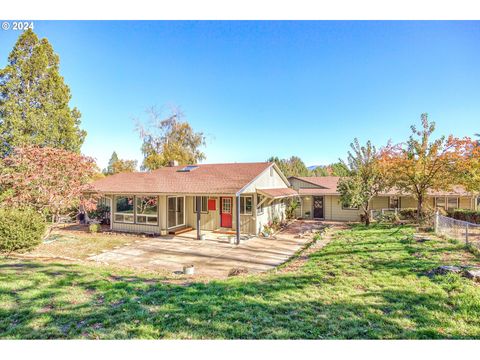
column 111, row 162
column 34, row 99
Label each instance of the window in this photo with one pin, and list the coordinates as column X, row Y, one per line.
column 394, row 202
column 440, row 202
column 203, row 204
column 259, row 207
column 452, row 203
column 346, row 207
column 245, row 205
column 147, row 210
column 188, row 168
column 124, row 209
column 176, row 211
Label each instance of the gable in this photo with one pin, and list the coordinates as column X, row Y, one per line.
column 270, row 178
column 301, row 184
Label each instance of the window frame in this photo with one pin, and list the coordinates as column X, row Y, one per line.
column 349, row 208
column 398, row 201
column 243, row 205
column 447, row 203
column 259, row 211
column 157, row 215
column 176, row 211
column 115, row 213
column 202, row 211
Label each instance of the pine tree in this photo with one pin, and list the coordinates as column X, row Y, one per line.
column 111, row 163
column 34, row 99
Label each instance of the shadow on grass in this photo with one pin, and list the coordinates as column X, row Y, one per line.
column 67, row 301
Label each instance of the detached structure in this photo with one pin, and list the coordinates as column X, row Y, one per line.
column 236, row 198
column 319, row 199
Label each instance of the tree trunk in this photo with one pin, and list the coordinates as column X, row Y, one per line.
column 366, row 210
column 419, row 208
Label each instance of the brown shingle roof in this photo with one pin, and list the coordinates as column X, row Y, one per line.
column 327, row 185
column 205, row 179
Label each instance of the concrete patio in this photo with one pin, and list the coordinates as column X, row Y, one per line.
column 214, row 256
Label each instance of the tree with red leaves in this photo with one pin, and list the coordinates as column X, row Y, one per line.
column 52, row 181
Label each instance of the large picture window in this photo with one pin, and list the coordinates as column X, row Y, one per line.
column 447, row 203
column 246, row 205
column 124, row 211
column 176, row 211
column 147, row 210
column 203, row 204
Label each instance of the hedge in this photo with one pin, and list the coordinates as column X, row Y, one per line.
column 472, row 216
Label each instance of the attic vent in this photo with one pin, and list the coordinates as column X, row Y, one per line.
column 188, row 168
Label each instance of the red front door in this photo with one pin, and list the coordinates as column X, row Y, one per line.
column 226, row 204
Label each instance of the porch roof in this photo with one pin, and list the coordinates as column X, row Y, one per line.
column 278, row 193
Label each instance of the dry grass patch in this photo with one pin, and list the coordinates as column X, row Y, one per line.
column 80, row 244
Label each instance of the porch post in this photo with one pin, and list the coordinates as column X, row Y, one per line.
column 237, row 218
column 198, row 201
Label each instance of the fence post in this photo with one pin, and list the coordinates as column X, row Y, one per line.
column 436, row 221
column 466, row 233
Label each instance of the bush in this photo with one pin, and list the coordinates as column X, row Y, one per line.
column 472, row 216
column 94, row 228
column 408, row 214
column 389, row 217
column 20, row 229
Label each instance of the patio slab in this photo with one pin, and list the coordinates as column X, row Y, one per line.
column 214, row 256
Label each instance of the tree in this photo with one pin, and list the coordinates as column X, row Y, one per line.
column 117, row 165
column 423, row 164
column 34, row 99
column 51, row 181
column 113, row 160
column 168, row 139
column 339, row 169
column 321, row 171
column 294, row 166
column 365, row 179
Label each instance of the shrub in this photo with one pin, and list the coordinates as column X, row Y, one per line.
column 389, row 217
column 408, row 214
column 291, row 209
column 472, row 216
column 94, row 228
column 20, row 229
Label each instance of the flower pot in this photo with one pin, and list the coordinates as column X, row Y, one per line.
column 189, row 270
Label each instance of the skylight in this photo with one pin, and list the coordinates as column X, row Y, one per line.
column 188, row 168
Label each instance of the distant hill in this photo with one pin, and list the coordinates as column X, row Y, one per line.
column 313, row 167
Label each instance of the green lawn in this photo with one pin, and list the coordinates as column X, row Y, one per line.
column 363, row 284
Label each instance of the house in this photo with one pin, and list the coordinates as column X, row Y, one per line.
column 319, row 199
column 238, row 197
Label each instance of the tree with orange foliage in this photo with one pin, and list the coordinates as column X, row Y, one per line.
column 50, row 180
column 423, row 164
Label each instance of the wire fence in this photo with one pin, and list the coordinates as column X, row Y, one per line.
column 458, row 229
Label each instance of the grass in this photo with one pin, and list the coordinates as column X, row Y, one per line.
column 366, row 283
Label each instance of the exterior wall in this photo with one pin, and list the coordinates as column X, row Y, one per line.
column 334, row 211
column 209, row 220
column 300, row 184
column 268, row 179
column 276, row 209
column 305, row 210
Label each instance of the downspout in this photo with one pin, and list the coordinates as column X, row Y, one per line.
column 198, row 201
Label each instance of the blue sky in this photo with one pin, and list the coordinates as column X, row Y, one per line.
column 258, row 89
